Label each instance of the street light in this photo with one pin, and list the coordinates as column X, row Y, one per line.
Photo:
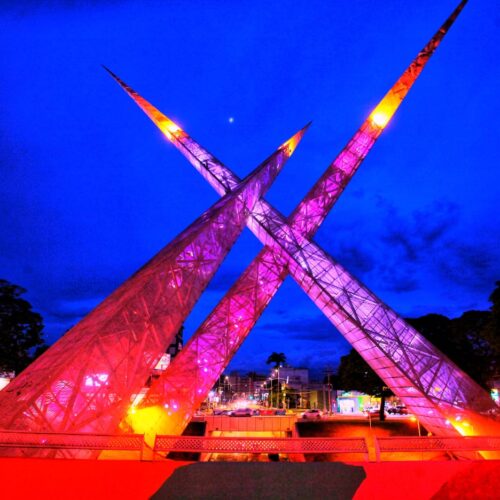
column 275, row 373
column 413, row 419
column 329, row 388
column 226, row 381
column 278, row 399
column 271, row 392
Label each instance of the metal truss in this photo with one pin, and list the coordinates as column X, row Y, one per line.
column 85, row 381
column 429, row 383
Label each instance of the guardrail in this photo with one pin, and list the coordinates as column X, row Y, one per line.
column 13, row 443
column 433, row 444
column 202, row 444
column 90, row 446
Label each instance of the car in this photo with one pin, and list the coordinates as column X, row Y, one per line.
column 372, row 411
column 242, row 412
column 398, row 410
column 221, row 411
column 280, row 411
column 312, row 415
column 266, row 412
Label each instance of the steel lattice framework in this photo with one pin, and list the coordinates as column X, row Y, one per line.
column 429, row 383
column 84, row 382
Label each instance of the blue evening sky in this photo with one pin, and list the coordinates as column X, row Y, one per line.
column 90, row 190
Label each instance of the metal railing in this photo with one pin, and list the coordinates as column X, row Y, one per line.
column 433, row 444
column 13, row 442
column 202, row 444
column 87, row 446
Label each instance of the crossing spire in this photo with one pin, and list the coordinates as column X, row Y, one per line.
column 185, row 383
column 84, row 382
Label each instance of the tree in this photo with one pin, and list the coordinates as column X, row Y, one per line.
column 278, row 358
column 491, row 331
column 356, row 375
column 471, row 341
column 20, row 329
column 462, row 340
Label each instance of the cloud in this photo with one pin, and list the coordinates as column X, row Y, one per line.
column 471, row 266
column 423, row 229
column 420, row 260
column 223, row 281
column 73, row 310
column 355, row 257
column 86, row 289
column 398, row 279
column 299, row 326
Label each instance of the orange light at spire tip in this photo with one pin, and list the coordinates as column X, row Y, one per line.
column 380, row 119
column 169, row 128
column 293, row 142
column 290, row 145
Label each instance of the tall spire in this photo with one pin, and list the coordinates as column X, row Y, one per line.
column 204, row 161
column 328, row 189
column 84, row 382
column 384, row 111
column 195, row 370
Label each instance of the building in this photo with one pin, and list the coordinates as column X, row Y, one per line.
column 294, row 378
column 246, row 386
column 321, row 397
column 5, row 378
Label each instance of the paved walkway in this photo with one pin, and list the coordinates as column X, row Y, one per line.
column 109, row 480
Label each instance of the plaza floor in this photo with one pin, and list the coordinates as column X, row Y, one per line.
column 73, row 479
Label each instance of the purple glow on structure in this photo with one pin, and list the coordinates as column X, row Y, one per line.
column 407, row 362
column 85, row 381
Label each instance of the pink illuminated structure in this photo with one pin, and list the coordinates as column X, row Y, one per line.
column 84, row 382
column 87, row 380
column 429, row 383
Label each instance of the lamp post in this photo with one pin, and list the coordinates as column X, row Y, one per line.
column 329, row 388
column 271, row 391
column 226, row 381
column 278, row 399
column 413, row 418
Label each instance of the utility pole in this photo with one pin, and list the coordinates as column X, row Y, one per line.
column 328, row 373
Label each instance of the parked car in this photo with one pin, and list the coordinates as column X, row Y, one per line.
column 221, row 411
column 371, row 411
column 266, row 411
column 312, row 415
column 280, row 411
column 242, row 412
column 398, row 410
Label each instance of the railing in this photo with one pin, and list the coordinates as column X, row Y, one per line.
column 261, row 423
column 201, row 444
column 14, row 442
column 398, row 445
column 88, row 446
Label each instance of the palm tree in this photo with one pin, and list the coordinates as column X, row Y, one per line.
column 278, row 358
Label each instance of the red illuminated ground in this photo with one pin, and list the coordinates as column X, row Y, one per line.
column 58, row 479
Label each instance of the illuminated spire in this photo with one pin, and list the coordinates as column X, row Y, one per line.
column 385, row 110
column 328, row 189
column 84, row 382
column 206, row 164
column 347, row 303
